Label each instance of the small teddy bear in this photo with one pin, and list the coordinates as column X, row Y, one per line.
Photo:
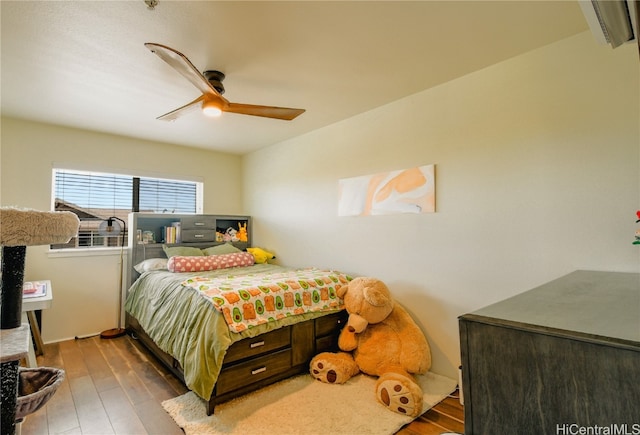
column 380, row 339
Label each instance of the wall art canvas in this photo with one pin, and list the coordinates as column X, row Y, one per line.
column 406, row 191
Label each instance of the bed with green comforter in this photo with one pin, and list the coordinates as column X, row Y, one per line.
column 183, row 313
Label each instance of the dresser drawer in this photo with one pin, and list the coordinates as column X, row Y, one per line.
column 201, row 235
column 254, row 370
column 330, row 324
column 198, row 222
column 251, row 347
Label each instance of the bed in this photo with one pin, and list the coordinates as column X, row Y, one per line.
column 194, row 322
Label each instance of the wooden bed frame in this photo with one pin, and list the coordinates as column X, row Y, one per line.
column 251, row 363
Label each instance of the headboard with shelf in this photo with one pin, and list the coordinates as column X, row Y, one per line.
column 147, row 234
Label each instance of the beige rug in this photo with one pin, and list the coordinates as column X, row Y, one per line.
column 302, row 405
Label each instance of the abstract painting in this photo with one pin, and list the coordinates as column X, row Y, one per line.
column 405, row 191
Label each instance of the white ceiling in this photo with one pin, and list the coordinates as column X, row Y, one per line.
column 83, row 63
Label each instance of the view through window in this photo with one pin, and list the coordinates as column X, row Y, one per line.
column 100, row 199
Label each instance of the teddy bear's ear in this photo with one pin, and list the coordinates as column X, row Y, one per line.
column 342, row 290
column 377, row 294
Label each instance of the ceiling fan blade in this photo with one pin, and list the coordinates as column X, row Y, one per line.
column 181, row 64
column 189, row 107
column 283, row 113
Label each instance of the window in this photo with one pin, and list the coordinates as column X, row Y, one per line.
column 96, row 197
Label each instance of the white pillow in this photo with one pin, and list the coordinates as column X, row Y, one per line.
column 151, row 264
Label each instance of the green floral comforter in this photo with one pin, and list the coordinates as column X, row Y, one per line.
column 247, row 301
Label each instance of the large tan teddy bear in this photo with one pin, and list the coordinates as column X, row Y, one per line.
column 379, row 339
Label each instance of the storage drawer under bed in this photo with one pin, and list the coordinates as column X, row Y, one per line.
column 327, row 331
column 251, row 347
column 254, row 370
column 330, row 324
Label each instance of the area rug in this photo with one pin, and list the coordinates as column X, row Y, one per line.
column 302, row 405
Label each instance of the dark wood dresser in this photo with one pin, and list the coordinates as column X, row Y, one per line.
column 555, row 359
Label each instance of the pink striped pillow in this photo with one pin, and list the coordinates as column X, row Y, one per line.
column 211, row 262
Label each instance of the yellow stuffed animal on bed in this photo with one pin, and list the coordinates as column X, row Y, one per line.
column 260, row 255
column 380, row 339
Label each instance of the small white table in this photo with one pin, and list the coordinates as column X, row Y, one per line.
column 29, row 306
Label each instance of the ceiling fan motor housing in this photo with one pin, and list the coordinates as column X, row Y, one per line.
column 215, row 78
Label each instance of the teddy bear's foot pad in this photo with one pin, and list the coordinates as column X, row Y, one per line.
column 327, row 372
column 399, row 398
column 333, row 368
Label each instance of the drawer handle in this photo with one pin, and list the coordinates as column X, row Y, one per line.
column 199, row 224
column 260, row 370
column 198, row 236
column 256, row 344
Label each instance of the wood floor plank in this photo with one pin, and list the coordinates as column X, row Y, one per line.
column 175, row 383
column 134, row 388
column 91, row 412
column 75, row 431
column 98, row 368
column 156, row 420
column 61, row 411
column 112, row 356
column 149, row 376
column 421, row 427
column 453, row 411
column 440, row 418
column 122, row 414
column 74, row 363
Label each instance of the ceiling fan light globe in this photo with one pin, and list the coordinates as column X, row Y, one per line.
column 212, row 112
column 211, row 109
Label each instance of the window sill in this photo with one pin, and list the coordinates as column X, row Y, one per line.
column 79, row 252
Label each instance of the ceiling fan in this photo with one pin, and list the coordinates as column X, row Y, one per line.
column 211, row 102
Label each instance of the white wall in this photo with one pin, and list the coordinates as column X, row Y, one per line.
column 85, row 287
column 537, row 172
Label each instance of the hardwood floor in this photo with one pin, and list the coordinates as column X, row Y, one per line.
column 116, row 387
column 447, row 416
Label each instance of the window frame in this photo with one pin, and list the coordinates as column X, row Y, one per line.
column 110, row 250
